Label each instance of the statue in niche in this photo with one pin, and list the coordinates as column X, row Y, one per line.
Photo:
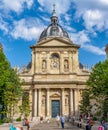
column 55, row 63
column 43, row 101
column 66, row 65
column 44, row 64
column 66, row 100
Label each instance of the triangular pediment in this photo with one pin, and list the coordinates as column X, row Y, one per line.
column 55, row 95
column 55, row 42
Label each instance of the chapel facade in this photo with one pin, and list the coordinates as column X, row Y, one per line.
column 55, row 78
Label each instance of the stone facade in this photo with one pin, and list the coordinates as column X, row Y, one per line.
column 54, row 79
column 55, row 75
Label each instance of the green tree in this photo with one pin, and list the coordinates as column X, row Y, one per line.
column 25, row 107
column 85, row 106
column 98, row 85
column 10, row 87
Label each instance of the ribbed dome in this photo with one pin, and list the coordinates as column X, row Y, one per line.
column 54, row 29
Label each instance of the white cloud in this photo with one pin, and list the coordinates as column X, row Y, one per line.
column 104, row 2
column 94, row 49
column 46, row 19
column 3, row 25
column 62, row 6
column 29, row 3
column 80, row 37
column 94, row 13
column 15, row 5
column 27, row 29
column 67, row 17
column 93, row 19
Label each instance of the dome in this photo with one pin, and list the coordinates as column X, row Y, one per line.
column 54, row 29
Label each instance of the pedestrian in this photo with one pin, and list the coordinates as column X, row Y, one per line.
column 27, row 123
column 104, row 124
column 12, row 127
column 41, row 119
column 73, row 119
column 58, row 120
column 80, row 122
column 90, row 123
column 23, row 122
column 88, row 126
column 100, row 127
column 62, row 118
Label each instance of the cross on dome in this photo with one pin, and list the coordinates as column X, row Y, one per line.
column 54, row 18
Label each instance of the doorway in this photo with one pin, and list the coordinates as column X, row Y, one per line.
column 55, row 108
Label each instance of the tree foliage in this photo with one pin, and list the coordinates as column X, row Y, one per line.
column 25, row 107
column 10, row 87
column 85, row 102
column 98, row 84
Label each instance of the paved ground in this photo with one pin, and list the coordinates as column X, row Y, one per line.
column 47, row 126
column 53, row 126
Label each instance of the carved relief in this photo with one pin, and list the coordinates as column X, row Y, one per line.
column 54, row 61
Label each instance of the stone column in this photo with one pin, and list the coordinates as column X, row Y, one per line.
column 48, row 62
column 61, row 63
column 47, row 107
column 35, row 102
column 70, row 62
column 38, row 62
column 63, row 101
column 76, row 101
column 71, row 102
column 30, row 99
column 73, row 62
column 33, row 62
column 39, row 102
column 36, row 65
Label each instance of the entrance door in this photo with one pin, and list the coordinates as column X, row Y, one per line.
column 55, row 108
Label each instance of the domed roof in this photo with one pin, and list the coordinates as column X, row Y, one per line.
column 54, row 29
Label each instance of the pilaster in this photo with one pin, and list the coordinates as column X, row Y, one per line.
column 39, row 102
column 35, row 103
column 70, row 62
column 63, row 101
column 76, row 100
column 61, row 62
column 48, row 62
column 30, row 99
column 71, row 102
column 47, row 103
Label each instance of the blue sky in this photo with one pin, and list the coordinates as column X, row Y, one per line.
column 22, row 21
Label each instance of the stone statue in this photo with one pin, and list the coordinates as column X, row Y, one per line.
column 66, row 64
column 43, row 64
column 55, row 63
